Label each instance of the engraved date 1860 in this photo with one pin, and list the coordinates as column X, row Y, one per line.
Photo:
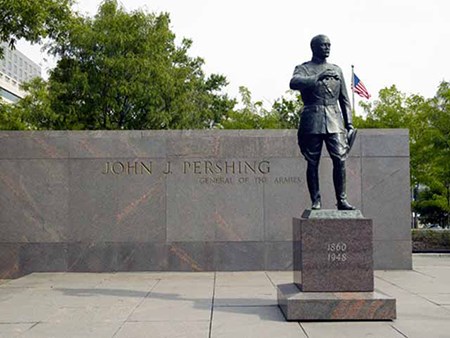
column 337, row 252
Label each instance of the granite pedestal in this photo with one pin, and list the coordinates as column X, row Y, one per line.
column 333, row 270
column 333, row 251
column 322, row 306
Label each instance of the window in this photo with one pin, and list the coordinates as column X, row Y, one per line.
column 8, row 95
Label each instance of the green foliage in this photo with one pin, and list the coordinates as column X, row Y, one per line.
column 10, row 118
column 123, row 70
column 35, row 109
column 427, row 239
column 392, row 110
column 432, row 205
column 33, row 20
column 284, row 113
column 435, row 148
column 288, row 109
column 252, row 115
column 428, row 121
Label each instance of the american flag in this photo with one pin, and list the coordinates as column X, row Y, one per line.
column 359, row 88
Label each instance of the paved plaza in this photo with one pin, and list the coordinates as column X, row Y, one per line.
column 220, row 304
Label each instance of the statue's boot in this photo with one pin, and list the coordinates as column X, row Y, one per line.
column 312, row 176
column 339, row 186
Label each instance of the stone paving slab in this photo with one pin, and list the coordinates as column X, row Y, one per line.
column 160, row 309
column 90, row 315
column 14, row 329
column 72, row 329
column 438, row 298
column 426, row 327
column 189, row 329
column 415, row 281
column 429, row 260
column 245, row 296
column 254, row 321
column 412, row 305
column 222, row 304
column 249, row 278
column 350, row 330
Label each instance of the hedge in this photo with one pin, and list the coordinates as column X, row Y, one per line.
column 428, row 240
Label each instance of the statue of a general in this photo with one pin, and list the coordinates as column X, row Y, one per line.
column 326, row 118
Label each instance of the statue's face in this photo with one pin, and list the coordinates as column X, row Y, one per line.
column 321, row 48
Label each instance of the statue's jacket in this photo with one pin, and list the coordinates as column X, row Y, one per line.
column 326, row 103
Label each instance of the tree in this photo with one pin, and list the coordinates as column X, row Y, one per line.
column 10, row 118
column 252, row 115
column 35, row 109
column 289, row 108
column 431, row 203
column 33, row 20
column 284, row 113
column 123, row 70
column 435, row 155
column 428, row 121
column 389, row 111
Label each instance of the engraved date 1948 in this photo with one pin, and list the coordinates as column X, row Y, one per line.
column 337, row 252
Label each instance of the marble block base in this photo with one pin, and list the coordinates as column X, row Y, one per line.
column 333, row 251
column 327, row 306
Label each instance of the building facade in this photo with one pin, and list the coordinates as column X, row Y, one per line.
column 15, row 69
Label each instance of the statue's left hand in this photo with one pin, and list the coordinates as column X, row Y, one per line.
column 329, row 73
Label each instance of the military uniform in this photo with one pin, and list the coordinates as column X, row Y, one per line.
column 326, row 116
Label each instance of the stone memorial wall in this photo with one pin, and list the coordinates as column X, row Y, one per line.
column 184, row 200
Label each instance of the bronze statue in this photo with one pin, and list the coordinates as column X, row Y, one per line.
column 326, row 117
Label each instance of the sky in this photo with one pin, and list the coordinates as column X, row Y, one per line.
column 257, row 44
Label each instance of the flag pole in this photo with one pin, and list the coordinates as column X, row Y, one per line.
column 353, row 92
